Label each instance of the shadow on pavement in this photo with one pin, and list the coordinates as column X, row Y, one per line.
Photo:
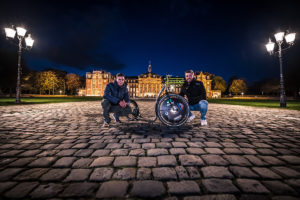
column 146, row 128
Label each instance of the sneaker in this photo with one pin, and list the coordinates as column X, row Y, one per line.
column 105, row 124
column 203, row 122
column 191, row 118
column 116, row 118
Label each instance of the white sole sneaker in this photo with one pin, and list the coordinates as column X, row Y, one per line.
column 115, row 119
column 191, row 118
column 203, row 123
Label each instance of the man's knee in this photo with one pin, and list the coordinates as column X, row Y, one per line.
column 105, row 104
column 203, row 103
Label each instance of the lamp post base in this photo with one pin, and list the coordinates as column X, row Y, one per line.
column 282, row 101
column 283, row 105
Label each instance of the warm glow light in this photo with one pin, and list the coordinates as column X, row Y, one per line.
column 270, row 46
column 29, row 41
column 290, row 38
column 21, row 31
column 10, row 32
column 279, row 36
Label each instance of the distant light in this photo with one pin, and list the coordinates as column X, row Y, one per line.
column 10, row 32
column 270, row 46
column 21, row 31
column 290, row 38
column 279, row 36
column 29, row 41
column 172, row 87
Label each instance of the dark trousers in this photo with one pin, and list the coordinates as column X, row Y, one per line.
column 108, row 107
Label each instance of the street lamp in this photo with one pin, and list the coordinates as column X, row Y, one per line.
column 289, row 38
column 21, row 32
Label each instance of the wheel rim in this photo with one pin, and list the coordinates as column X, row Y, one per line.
column 172, row 111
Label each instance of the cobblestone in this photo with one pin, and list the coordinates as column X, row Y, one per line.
column 42, row 162
column 277, row 187
column 193, row 172
column 125, row 161
column 183, row 187
column 82, row 163
column 164, row 173
column 157, row 152
column 102, row 161
column 78, row 175
column 147, row 189
column 44, row 191
column 147, row 162
column 251, row 186
column 21, row 190
column 101, row 174
column 31, row 174
column 216, row 172
column 190, row 160
column 143, row 174
column 64, row 162
column 112, row 189
column 55, row 175
column 181, row 172
column 166, row 161
column 243, row 172
column 266, row 173
column 125, row 174
column 79, row 190
column 177, row 151
column 219, row 186
column 60, row 151
column 214, row 160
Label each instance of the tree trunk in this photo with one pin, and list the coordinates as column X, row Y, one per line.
column 10, row 92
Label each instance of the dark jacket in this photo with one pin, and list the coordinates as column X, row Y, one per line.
column 194, row 91
column 115, row 93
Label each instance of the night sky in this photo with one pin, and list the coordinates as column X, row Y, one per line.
column 225, row 38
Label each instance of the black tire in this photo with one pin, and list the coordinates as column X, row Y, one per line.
column 172, row 110
column 135, row 111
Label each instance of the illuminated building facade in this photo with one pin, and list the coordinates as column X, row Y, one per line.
column 145, row 85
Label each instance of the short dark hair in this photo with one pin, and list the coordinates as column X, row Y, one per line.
column 189, row 71
column 120, row 74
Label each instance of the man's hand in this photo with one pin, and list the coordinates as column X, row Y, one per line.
column 186, row 98
column 123, row 104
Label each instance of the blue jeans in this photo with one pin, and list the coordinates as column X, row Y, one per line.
column 202, row 106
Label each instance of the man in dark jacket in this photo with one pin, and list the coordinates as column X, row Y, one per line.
column 116, row 100
column 194, row 92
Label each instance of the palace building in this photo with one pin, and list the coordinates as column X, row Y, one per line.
column 95, row 83
column 145, row 85
column 149, row 83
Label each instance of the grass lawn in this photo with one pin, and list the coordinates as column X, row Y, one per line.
column 293, row 105
column 40, row 100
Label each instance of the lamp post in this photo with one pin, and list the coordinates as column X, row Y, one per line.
column 289, row 38
column 21, row 32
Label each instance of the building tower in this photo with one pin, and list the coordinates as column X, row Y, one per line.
column 149, row 67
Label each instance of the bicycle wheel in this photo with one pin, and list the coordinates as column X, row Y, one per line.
column 135, row 111
column 172, row 110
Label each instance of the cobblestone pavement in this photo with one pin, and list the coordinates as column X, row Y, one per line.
column 60, row 151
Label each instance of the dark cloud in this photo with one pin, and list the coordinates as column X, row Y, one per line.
column 68, row 33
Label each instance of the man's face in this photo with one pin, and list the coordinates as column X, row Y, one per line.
column 120, row 80
column 189, row 77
